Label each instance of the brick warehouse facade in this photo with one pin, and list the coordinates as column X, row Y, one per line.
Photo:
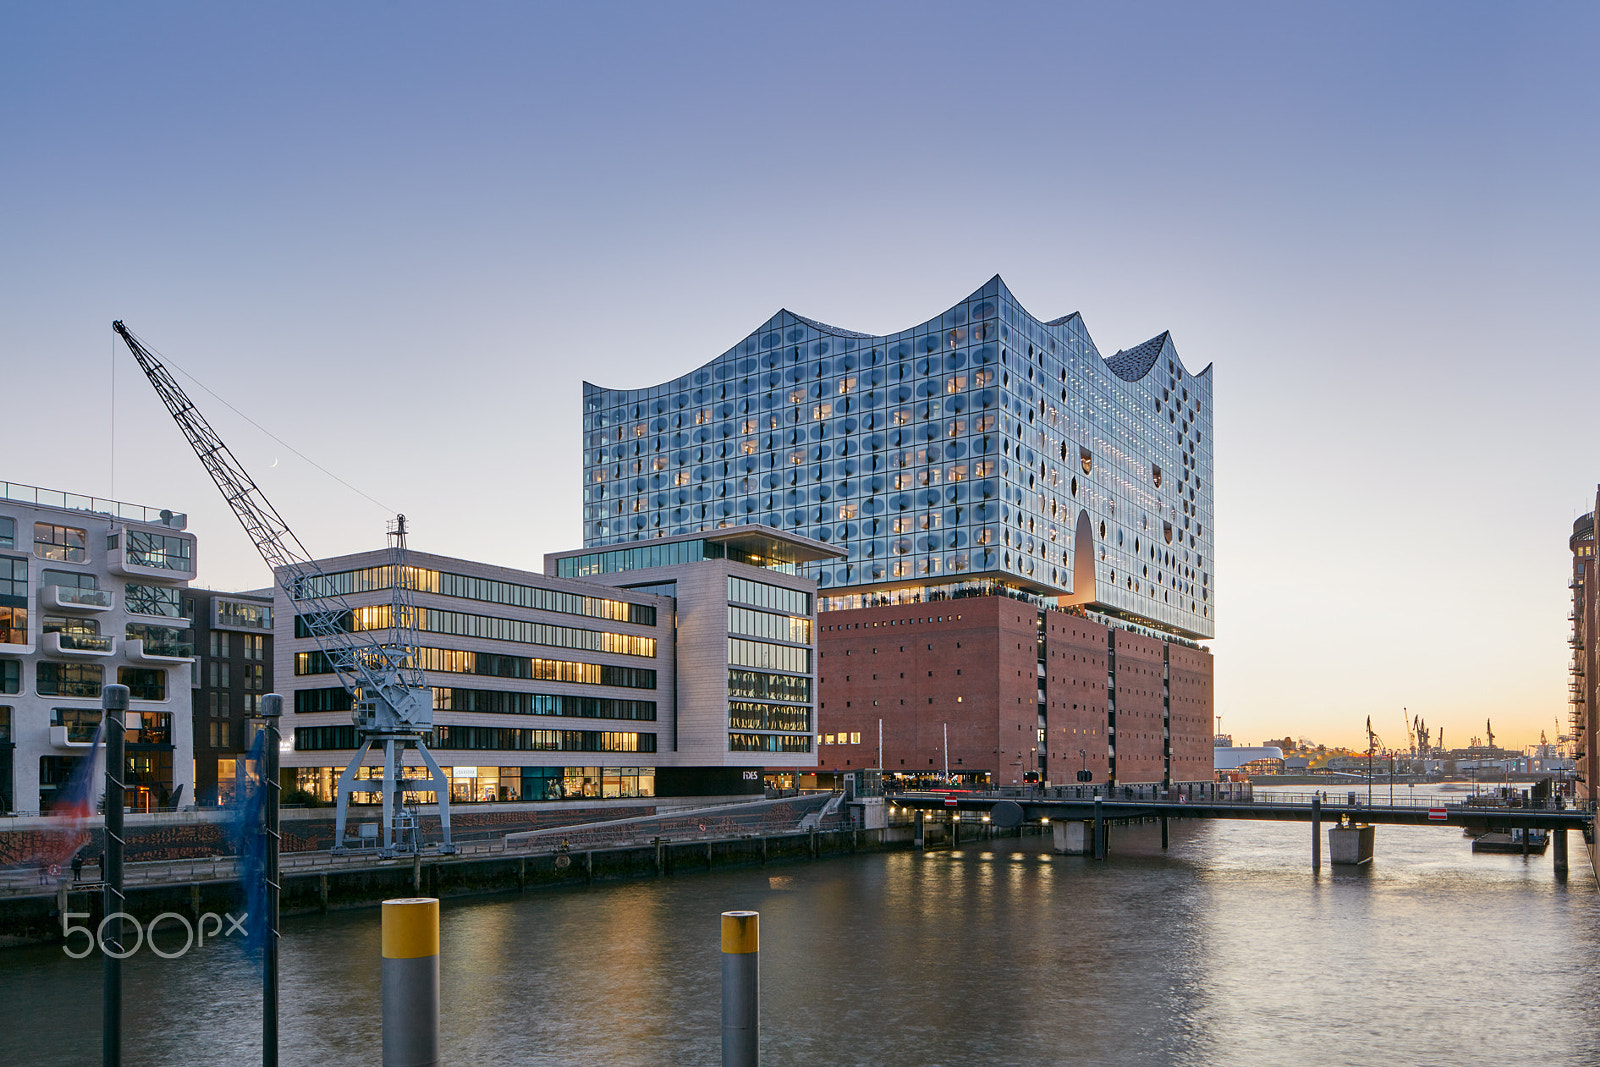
column 1013, row 689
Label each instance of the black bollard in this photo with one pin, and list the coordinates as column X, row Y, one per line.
column 114, row 701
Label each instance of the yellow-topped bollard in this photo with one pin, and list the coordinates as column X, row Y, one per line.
column 411, row 982
column 741, row 989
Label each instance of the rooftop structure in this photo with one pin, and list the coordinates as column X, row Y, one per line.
column 982, row 451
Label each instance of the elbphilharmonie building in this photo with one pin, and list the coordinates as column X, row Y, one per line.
column 983, row 451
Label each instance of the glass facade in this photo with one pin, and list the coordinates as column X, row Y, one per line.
column 461, row 624
column 427, row 580
column 162, row 551
column 65, row 544
column 670, row 554
column 13, row 601
column 153, row 600
column 489, row 784
column 983, row 444
column 459, row 661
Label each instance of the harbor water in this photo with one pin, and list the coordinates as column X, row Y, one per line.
column 1225, row 949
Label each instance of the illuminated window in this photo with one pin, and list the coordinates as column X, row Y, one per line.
column 65, row 544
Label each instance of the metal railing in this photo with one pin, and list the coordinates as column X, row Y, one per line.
column 55, row 498
column 1241, row 793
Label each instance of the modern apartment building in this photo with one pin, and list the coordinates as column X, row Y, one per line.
column 981, row 455
column 1584, row 643
column 677, row 670
column 232, row 672
column 91, row 594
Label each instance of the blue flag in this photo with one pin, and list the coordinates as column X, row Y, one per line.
column 250, row 845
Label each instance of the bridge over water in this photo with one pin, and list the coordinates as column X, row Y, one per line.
column 1093, row 809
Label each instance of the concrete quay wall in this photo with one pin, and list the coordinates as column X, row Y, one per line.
column 37, row 919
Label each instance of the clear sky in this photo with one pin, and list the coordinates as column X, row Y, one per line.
column 399, row 235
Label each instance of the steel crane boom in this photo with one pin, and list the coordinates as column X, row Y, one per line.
column 391, row 704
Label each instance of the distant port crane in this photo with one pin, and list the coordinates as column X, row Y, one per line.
column 391, row 705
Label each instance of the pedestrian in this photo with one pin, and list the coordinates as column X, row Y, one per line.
column 77, row 866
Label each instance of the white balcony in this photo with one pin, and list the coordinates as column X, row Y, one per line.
column 9, row 650
column 164, row 652
column 66, row 598
column 70, row 737
column 79, row 646
column 151, row 555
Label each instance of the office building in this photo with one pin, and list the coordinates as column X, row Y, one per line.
column 982, row 455
column 232, row 672
column 91, row 594
column 674, row 670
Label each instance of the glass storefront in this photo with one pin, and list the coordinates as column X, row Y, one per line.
column 489, row 785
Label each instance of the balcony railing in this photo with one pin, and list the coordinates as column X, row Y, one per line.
column 69, row 598
column 71, row 644
column 86, row 642
column 51, row 498
column 147, row 649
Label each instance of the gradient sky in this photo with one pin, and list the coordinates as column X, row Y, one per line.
column 399, row 235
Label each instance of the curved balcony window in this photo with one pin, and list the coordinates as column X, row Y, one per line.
column 65, row 544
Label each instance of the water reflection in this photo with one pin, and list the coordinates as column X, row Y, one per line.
column 1223, row 949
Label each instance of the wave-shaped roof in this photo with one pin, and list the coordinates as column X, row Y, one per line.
column 1129, row 364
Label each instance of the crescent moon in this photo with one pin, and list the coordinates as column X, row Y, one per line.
column 274, row 463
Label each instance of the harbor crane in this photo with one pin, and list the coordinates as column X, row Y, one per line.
column 390, row 704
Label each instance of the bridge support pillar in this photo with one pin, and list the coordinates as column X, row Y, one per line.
column 955, row 829
column 916, row 836
column 1073, row 838
column 1316, row 834
column 1163, row 833
column 1351, row 845
column 1561, row 853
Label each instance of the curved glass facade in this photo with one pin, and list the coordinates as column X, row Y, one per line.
column 983, row 446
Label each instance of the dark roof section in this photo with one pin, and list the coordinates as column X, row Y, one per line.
column 1134, row 363
column 1063, row 320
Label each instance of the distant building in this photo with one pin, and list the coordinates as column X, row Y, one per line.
column 992, row 483
column 91, row 594
column 233, row 671
column 680, row 668
column 1250, row 759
